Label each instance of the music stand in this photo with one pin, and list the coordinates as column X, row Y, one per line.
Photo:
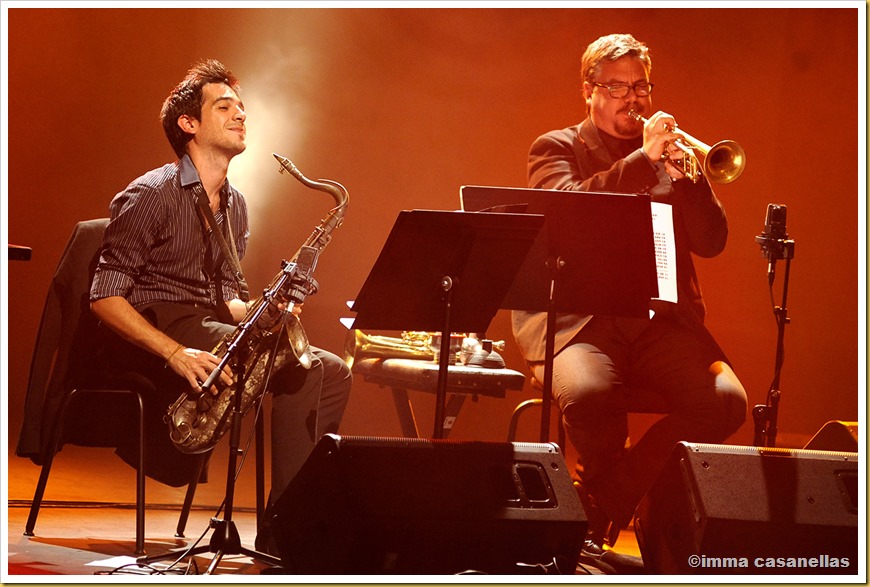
column 19, row 253
column 595, row 255
column 444, row 271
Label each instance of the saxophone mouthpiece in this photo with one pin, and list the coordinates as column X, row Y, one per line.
column 286, row 164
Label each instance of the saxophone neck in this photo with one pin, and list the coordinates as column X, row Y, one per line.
column 335, row 189
column 338, row 192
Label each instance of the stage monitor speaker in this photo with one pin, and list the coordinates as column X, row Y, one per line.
column 835, row 435
column 367, row 505
column 720, row 509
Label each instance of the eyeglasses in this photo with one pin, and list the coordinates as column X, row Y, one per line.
column 641, row 89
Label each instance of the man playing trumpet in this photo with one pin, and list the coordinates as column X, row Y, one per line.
column 671, row 353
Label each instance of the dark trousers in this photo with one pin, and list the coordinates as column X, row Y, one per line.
column 306, row 403
column 706, row 402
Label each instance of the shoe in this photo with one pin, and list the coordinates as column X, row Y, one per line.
column 602, row 531
column 609, row 561
column 591, row 554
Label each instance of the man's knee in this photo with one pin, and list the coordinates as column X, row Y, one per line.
column 732, row 398
column 334, row 368
column 588, row 401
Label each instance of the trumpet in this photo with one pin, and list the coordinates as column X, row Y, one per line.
column 415, row 345
column 721, row 163
column 412, row 345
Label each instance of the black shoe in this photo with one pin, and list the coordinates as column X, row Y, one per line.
column 602, row 531
column 590, row 555
column 609, row 561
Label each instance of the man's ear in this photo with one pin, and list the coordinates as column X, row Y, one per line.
column 587, row 91
column 187, row 124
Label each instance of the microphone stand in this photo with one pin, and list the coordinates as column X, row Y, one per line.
column 766, row 415
column 225, row 539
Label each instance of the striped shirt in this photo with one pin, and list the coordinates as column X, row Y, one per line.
column 156, row 247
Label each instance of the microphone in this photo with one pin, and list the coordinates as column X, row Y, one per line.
column 772, row 237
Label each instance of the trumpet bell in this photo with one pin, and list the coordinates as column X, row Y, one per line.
column 721, row 163
column 724, row 162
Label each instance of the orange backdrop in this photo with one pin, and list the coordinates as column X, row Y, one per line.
column 403, row 106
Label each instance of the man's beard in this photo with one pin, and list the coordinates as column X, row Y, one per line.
column 628, row 128
column 233, row 148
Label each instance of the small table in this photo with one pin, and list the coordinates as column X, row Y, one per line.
column 422, row 375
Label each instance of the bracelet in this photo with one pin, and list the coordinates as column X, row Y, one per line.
column 172, row 354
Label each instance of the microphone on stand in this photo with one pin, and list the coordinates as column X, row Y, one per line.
column 773, row 237
column 775, row 244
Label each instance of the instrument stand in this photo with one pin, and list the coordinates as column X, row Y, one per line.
column 225, row 539
column 444, row 271
column 765, row 416
column 606, row 266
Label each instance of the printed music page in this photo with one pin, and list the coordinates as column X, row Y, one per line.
column 666, row 252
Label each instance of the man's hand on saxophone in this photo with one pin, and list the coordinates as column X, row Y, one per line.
column 195, row 366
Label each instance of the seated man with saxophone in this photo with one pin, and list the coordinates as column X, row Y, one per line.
column 671, row 353
column 168, row 294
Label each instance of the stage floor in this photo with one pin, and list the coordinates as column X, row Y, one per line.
column 87, row 523
column 100, row 541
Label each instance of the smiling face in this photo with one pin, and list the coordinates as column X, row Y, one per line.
column 221, row 126
column 610, row 114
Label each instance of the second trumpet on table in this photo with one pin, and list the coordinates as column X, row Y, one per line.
column 414, row 345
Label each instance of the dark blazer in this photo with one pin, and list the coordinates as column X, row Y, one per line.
column 575, row 158
column 57, row 360
column 70, row 352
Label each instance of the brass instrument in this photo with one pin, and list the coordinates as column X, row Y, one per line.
column 412, row 345
column 197, row 421
column 721, row 163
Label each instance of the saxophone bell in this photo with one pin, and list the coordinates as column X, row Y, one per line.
column 298, row 340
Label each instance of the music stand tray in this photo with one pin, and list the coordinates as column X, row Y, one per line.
column 444, row 271
column 595, row 255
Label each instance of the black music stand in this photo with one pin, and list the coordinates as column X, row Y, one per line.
column 444, row 271
column 595, row 255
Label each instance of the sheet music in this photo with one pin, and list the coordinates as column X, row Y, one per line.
column 666, row 252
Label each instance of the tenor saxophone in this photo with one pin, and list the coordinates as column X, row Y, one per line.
column 198, row 420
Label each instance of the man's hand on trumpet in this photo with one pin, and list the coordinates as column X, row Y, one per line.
column 658, row 142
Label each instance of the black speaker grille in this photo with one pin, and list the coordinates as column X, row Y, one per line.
column 717, row 502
